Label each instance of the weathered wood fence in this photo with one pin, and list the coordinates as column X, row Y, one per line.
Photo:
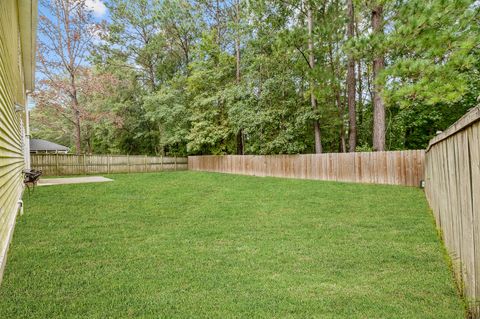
column 67, row 164
column 452, row 186
column 397, row 167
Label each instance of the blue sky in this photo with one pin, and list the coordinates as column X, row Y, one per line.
column 98, row 8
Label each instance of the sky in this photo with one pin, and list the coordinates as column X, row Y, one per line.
column 98, row 8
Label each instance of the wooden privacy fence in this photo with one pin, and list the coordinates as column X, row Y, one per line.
column 452, row 186
column 67, row 164
column 398, row 168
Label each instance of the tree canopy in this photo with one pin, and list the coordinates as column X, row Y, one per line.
column 180, row 77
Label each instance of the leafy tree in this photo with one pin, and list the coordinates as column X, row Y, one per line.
column 179, row 77
column 66, row 30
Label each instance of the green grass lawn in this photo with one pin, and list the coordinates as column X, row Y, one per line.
column 190, row 244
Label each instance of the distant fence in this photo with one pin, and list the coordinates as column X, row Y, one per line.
column 397, row 168
column 67, row 164
column 453, row 191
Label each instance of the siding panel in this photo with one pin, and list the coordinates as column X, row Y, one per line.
column 11, row 155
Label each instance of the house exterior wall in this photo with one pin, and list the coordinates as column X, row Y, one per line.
column 13, row 89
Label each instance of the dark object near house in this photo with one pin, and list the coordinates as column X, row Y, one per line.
column 31, row 177
column 47, row 147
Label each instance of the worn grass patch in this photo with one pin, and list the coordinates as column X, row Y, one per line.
column 191, row 244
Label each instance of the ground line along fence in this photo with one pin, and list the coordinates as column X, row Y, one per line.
column 394, row 167
column 452, row 187
column 69, row 164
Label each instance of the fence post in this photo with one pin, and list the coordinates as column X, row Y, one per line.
column 128, row 162
column 108, row 164
column 84, row 164
column 145, row 163
column 161, row 163
column 56, row 165
column 175, row 159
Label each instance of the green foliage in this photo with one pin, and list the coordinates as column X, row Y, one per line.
column 167, row 109
column 209, row 77
column 179, row 91
column 435, row 52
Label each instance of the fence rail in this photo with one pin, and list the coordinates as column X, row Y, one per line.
column 452, row 187
column 67, row 164
column 397, row 168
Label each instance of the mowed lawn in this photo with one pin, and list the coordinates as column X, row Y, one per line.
column 206, row 245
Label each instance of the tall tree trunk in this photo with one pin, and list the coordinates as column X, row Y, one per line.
column 78, row 136
column 360, row 85
column 240, row 145
column 313, row 100
column 378, row 105
column 151, row 74
column 76, row 115
column 338, row 101
column 89, row 145
column 240, row 142
column 352, row 114
column 341, row 110
column 217, row 18
column 237, row 58
column 150, row 64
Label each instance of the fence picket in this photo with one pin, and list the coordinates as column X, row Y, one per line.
column 452, row 177
column 400, row 168
column 69, row 164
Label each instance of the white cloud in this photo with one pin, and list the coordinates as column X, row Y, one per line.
column 97, row 7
